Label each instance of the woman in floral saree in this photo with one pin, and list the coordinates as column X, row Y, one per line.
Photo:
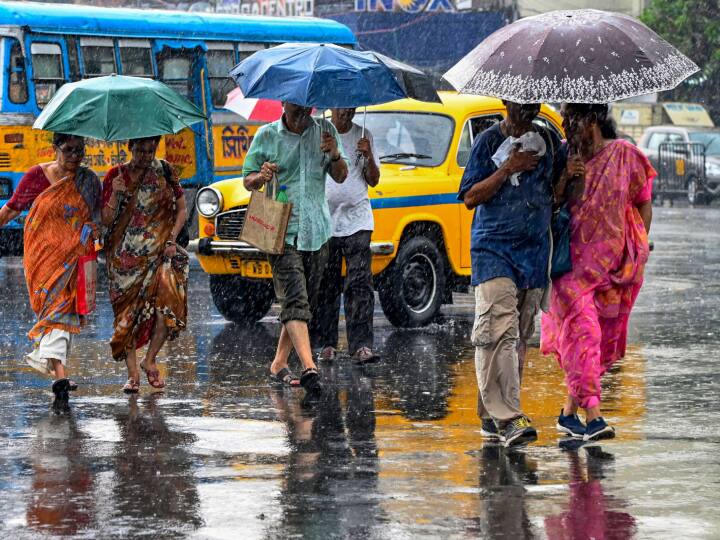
column 64, row 202
column 611, row 209
column 144, row 211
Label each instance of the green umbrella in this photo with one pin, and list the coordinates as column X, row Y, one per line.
column 116, row 108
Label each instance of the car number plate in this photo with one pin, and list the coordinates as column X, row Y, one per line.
column 257, row 269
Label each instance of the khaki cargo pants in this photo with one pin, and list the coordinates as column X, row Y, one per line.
column 504, row 322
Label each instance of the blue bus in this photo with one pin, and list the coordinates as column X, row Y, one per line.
column 43, row 46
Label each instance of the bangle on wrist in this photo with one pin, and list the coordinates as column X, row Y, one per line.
column 169, row 243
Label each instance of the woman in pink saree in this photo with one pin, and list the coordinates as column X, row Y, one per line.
column 609, row 190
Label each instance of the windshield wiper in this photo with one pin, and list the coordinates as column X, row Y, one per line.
column 405, row 155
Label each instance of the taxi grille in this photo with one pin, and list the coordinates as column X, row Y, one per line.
column 4, row 160
column 229, row 224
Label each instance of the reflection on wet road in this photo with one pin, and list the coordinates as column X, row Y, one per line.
column 392, row 451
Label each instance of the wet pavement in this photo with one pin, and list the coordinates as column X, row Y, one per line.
column 393, row 451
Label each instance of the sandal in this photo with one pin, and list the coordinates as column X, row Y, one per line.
column 284, row 377
column 310, row 381
column 153, row 377
column 131, row 386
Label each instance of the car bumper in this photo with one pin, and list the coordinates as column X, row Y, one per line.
column 209, row 247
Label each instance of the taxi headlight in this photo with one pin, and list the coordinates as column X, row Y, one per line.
column 209, row 202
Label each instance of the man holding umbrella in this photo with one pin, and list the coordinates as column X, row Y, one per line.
column 352, row 221
column 508, row 182
column 300, row 150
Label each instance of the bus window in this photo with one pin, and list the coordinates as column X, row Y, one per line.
column 220, row 60
column 246, row 49
column 98, row 57
column 136, row 57
column 48, row 73
column 174, row 67
column 73, row 58
column 18, row 79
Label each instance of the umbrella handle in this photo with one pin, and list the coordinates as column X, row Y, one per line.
column 364, row 118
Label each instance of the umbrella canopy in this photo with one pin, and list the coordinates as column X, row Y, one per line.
column 580, row 56
column 417, row 85
column 116, row 107
column 253, row 109
column 316, row 75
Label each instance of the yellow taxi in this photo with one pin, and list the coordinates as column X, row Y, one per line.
column 421, row 242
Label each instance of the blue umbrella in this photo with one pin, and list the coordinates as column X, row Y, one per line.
column 317, row 75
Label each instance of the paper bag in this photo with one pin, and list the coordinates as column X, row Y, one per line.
column 266, row 221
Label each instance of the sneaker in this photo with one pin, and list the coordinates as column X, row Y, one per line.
column 364, row 355
column 598, row 429
column 570, row 425
column 518, row 431
column 327, row 354
column 489, row 430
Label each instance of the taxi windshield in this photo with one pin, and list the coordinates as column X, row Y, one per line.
column 409, row 138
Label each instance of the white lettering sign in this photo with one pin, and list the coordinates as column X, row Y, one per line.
column 277, row 8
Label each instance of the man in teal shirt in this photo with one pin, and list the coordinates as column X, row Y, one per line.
column 300, row 151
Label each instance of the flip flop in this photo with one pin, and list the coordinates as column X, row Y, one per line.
column 284, row 377
column 153, row 377
column 131, row 386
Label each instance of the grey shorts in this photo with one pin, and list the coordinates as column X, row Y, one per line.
column 296, row 278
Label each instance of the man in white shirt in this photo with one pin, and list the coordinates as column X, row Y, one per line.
column 352, row 226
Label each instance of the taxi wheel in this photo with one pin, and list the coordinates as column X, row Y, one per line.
column 241, row 300
column 412, row 288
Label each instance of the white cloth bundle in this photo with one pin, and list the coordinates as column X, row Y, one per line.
column 531, row 141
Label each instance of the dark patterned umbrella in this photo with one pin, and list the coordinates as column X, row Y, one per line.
column 580, row 56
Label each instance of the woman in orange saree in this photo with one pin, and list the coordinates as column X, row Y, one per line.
column 64, row 202
column 610, row 203
column 144, row 211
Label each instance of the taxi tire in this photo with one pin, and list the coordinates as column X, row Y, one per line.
column 241, row 300
column 418, row 258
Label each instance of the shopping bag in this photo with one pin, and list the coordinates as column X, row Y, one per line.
column 86, row 283
column 266, row 221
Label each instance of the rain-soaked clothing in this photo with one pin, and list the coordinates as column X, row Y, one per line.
column 58, row 231
column 586, row 327
column 142, row 283
column 504, row 316
column 296, row 277
column 510, row 232
column 301, row 168
column 356, row 290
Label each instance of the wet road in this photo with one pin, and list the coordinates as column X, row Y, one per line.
column 394, row 449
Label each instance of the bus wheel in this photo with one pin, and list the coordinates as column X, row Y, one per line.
column 241, row 300
column 412, row 289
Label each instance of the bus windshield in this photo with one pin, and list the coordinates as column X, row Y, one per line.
column 48, row 73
